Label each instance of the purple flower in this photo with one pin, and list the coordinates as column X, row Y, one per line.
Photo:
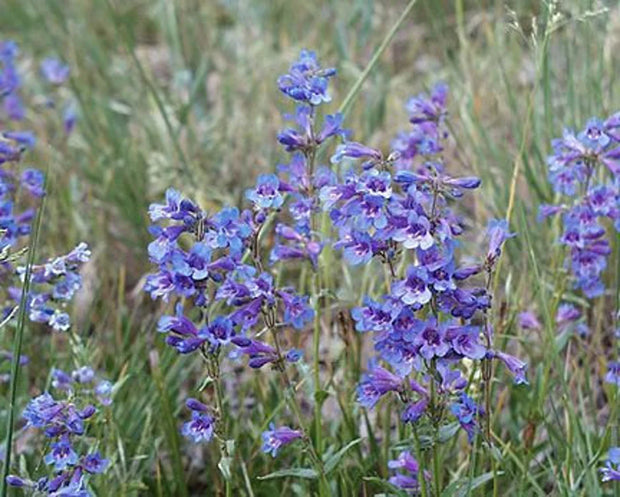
column 276, row 438
column 33, row 181
column 54, row 71
column 219, row 332
column 354, row 150
column 613, row 373
column 467, row 413
column 414, row 289
column 94, row 463
column 432, row 340
column 17, row 482
column 297, row 312
column 414, row 411
column 61, row 455
column 371, row 316
column 529, row 321
column 416, row 233
column 516, row 366
column 465, row 341
column 266, row 194
column 358, row 247
column 409, row 480
column 201, row 427
column 376, row 383
column 498, row 233
column 306, row 81
column 611, row 471
column 259, row 353
column 428, row 108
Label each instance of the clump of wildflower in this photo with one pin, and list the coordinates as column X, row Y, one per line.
column 576, row 168
column 72, row 457
column 399, row 210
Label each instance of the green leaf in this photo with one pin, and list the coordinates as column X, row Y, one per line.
column 320, row 396
column 446, row 432
column 224, row 466
column 307, row 473
column 332, row 461
column 463, row 486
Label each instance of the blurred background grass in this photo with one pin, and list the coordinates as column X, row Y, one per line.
column 182, row 93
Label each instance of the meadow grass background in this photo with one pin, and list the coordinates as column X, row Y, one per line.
column 182, row 93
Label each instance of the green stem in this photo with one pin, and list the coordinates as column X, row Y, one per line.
column 418, row 449
column 219, row 401
column 291, row 400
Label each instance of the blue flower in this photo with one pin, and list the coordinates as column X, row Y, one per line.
column 413, row 290
column 54, row 71
column 61, row 455
column 376, row 383
column 276, row 438
column 202, row 425
column 297, row 312
column 306, row 81
column 266, row 194
column 611, row 471
column 467, row 413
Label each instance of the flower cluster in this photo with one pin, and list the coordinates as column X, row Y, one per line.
column 10, row 82
column 577, row 168
column 54, row 285
column 72, row 455
column 404, row 219
column 216, row 259
column 427, row 115
column 56, row 281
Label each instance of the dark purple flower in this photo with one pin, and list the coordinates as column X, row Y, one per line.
column 266, row 194
column 516, row 366
column 297, row 312
column 94, row 463
column 432, row 339
column 467, row 413
column 306, row 80
column 200, row 428
column 414, row 289
column 61, row 455
column 376, row 383
column 276, row 438
column 465, row 341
